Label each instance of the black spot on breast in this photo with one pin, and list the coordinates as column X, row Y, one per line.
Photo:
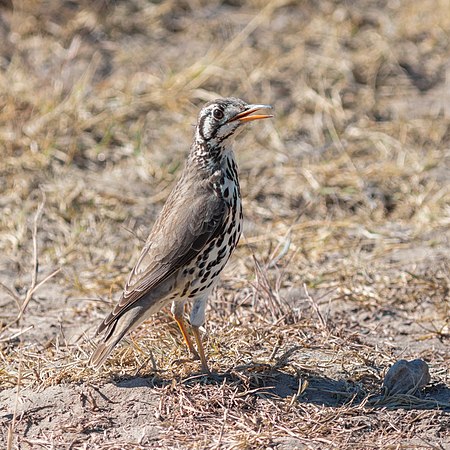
column 233, row 162
column 226, row 192
column 186, row 287
column 233, row 212
column 206, row 276
column 220, row 240
column 212, row 264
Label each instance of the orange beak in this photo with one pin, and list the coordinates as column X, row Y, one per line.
column 246, row 117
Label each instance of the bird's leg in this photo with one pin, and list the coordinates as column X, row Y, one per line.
column 177, row 311
column 187, row 339
column 197, row 320
column 201, row 352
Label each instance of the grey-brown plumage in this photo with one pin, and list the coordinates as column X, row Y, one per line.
column 194, row 235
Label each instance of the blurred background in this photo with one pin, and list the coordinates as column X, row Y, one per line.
column 346, row 190
column 99, row 100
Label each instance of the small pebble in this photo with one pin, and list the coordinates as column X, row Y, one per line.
column 406, row 377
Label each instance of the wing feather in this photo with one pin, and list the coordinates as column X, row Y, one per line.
column 178, row 236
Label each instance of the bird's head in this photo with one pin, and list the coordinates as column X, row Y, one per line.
column 219, row 120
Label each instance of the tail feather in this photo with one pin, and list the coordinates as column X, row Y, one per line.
column 110, row 340
column 117, row 329
column 100, row 354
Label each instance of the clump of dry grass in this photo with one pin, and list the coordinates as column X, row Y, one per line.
column 344, row 264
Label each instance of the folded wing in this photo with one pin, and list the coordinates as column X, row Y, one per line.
column 177, row 238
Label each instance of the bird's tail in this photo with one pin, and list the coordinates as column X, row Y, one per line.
column 105, row 347
column 100, row 354
column 114, row 332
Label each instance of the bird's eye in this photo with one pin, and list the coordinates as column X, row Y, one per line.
column 218, row 114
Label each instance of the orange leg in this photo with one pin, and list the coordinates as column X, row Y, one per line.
column 198, row 339
column 181, row 325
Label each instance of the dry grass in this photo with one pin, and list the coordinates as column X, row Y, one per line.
column 344, row 265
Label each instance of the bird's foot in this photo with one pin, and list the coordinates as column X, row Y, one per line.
column 210, row 376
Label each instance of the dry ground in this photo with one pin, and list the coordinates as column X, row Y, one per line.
column 344, row 265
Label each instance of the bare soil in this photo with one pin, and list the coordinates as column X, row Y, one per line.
column 344, row 264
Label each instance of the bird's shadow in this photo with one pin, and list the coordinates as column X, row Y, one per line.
column 271, row 382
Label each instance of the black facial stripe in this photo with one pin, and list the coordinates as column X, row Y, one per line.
column 201, row 123
column 226, row 136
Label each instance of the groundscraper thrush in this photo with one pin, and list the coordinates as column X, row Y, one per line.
column 193, row 237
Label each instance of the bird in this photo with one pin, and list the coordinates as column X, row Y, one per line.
column 193, row 237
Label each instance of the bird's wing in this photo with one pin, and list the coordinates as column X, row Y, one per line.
column 178, row 236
